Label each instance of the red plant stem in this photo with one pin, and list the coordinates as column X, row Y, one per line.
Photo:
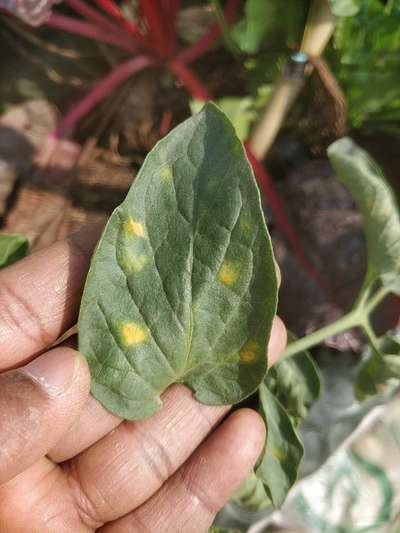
column 97, row 18
column 197, row 49
column 101, row 90
column 278, row 209
column 189, row 79
column 165, row 124
column 111, row 8
column 85, row 29
column 154, row 16
column 170, row 8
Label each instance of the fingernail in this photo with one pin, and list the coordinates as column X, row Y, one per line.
column 54, row 371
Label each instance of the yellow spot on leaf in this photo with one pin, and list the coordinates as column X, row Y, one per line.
column 132, row 226
column 135, row 263
column 139, row 262
column 133, row 334
column 166, row 172
column 244, row 223
column 227, row 274
column 248, row 353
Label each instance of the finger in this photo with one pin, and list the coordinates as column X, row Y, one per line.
column 189, row 501
column 38, row 501
column 40, row 295
column 37, row 405
column 95, row 421
column 277, row 341
column 131, row 463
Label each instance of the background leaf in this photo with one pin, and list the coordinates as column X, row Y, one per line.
column 366, row 62
column 182, row 286
column 12, row 248
column 252, row 28
column 288, row 392
column 251, row 494
column 295, row 382
column 283, row 452
column 345, row 8
column 380, row 370
column 378, row 205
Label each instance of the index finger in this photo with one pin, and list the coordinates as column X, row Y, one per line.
column 40, row 296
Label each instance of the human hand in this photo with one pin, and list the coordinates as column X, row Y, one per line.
column 69, row 466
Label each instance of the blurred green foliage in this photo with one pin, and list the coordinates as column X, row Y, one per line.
column 366, row 60
column 364, row 54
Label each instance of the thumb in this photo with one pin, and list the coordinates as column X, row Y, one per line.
column 38, row 403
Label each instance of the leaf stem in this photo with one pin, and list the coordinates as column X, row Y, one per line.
column 348, row 321
column 376, row 299
column 370, row 334
column 112, row 9
column 200, row 47
column 101, row 90
column 95, row 17
column 86, row 29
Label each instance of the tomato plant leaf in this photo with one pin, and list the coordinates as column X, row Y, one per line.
column 280, row 461
column 251, row 494
column 377, row 203
column 12, row 247
column 182, row 286
column 345, row 8
column 295, row 383
column 380, row 369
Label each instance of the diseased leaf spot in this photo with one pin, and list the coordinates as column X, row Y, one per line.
column 132, row 333
column 244, row 223
column 165, row 172
column 228, row 274
column 277, row 453
column 135, row 263
column 134, row 227
column 248, row 354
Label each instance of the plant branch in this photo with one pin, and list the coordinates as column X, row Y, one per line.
column 376, row 299
column 86, row 29
column 101, row 91
column 81, row 7
column 200, row 47
column 171, row 8
column 351, row 320
column 111, row 8
column 224, row 27
column 370, row 334
column 153, row 14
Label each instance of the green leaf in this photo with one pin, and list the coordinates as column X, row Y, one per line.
column 182, row 286
column 378, row 205
column 380, row 370
column 345, row 8
column 12, row 248
column 295, row 382
column 251, row 494
column 250, row 31
column 279, row 463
